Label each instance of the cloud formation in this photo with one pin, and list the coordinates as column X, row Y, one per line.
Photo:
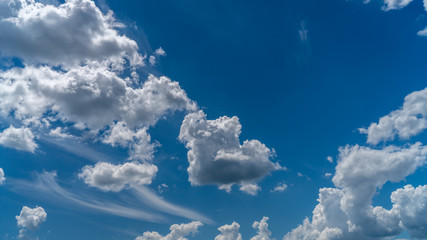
column 18, row 138
column 45, row 187
column 30, row 218
column 280, row 187
column 217, row 157
column 262, row 230
column 346, row 212
column 2, row 178
column 71, row 33
column 408, row 121
column 229, row 232
column 178, row 232
column 91, row 95
column 395, row 4
column 109, row 177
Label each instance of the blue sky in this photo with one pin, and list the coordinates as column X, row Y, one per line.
column 117, row 119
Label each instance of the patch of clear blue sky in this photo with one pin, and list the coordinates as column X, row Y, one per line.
column 246, row 58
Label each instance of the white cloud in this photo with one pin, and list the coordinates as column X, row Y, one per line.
column 152, row 60
column 346, row 212
column 408, row 121
column 411, row 204
column 280, row 187
column 92, row 95
column 229, row 232
column 395, row 4
column 217, row 157
column 138, row 141
column 58, row 132
column 70, row 33
column 18, row 138
column 109, row 177
column 46, row 188
column 31, row 218
column 2, row 178
column 262, row 230
column 422, row 33
column 330, row 159
column 250, row 188
column 160, row 52
column 178, row 232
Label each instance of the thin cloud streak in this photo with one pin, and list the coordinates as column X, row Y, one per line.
column 46, row 186
column 150, row 198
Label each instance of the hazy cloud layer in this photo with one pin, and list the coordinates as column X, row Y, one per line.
column 217, row 157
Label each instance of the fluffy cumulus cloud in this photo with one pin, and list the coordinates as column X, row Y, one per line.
column 92, row 95
column 69, row 33
column 18, row 138
column 138, row 141
column 109, row 177
column 74, row 60
column 408, row 121
column 262, row 229
column 178, row 232
column 346, row 212
column 411, row 204
column 2, row 178
column 217, row 157
column 30, row 218
column 229, row 232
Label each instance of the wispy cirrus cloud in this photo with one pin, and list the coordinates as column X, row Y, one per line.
column 46, row 187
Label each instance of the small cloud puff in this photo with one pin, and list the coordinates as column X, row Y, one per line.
column 109, row 177
column 177, row 232
column 18, row 138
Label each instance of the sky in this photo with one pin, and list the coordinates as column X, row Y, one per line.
column 223, row 120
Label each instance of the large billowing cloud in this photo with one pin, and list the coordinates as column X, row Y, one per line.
column 109, row 177
column 346, row 212
column 178, row 232
column 70, row 33
column 18, row 138
column 92, row 97
column 229, row 232
column 74, row 60
column 217, row 157
column 408, row 121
